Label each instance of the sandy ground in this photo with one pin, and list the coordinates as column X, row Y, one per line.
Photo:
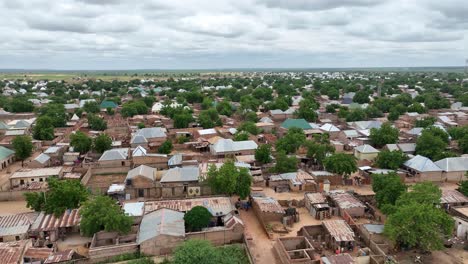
column 76, row 242
column 13, row 207
column 447, row 256
column 262, row 246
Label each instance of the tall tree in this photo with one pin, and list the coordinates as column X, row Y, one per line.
column 284, row 163
column 390, row 159
column 263, row 154
column 102, row 213
column 44, row 128
column 80, row 142
column 60, row 196
column 197, row 218
column 388, row 188
column 341, row 163
column 386, row 134
column 229, row 179
column 291, row 142
column 307, row 109
column 23, row 147
column 102, row 143
column 166, row 147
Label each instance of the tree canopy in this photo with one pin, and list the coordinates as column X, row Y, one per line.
column 263, row 153
column 197, row 218
column 60, row 196
column 194, row 251
column 386, row 134
column 341, row 163
column 388, row 188
column 80, row 142
column 103, row 213
column 96, row 123
column 291, row 142
column 44, row 128
column 390, row 159
column 23, row 147
column 229, row 179
column 284, row 163
column 166, row 147
column 102, row 143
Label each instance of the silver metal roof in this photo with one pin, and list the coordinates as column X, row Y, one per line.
column 422, row 164
column 115, row 154
column 152, row 132
column 161, row 222
column 142, row 170
column 453, row 164
column 177, row 174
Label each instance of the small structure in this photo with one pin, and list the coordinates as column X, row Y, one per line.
column 452, row 198
column 161, row 231
column 453, row 169
column 347, row 203
column 267, row 209
column 224, row 147
column 217, row 206
column 423, row 169
column 41, row 161
column 317, row 205
column 365, row 152
column 295, row 181
column 176, row 182
column 298, row 123
column 321, row 176
column 15, row 227
column 341, row 235
column 338, row 259
column 140, row 182
column 12, row 252
column 28, row 176
column 7, row 157
column 47, row 226
column 154, row 136
column 117, row 157
column 107, row 104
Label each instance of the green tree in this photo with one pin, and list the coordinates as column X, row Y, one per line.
column 194, row 251
column 91, row 107
column 56, row 112
column 341, row 163
column 209, row 118
column 96, row 123
column 430, row 146
column 307, row 109
column 418, row 108
column 388, row 188
column 356, row 115
column 102, row 143
column 197, row 218
column 182, row 119
column 166, row 147
column 386, row 134
column 224, row 108
column 390, row 159
column 463, row 144
column 319, row 149
column 425, row 122
column 249, row 127
column 141, row 125
column 361, row 97
column 102, row 213
column 20, row 105
column 422, row 193
column 291, row 142
column 263, row 154
column 23, row 147
column 241, row 136
column 43, row 129
column 458, row 132
column 80, row 142
column 229, row 179
column 284, row 163
column 393, row 115
column 464, row 187
column 60, row 196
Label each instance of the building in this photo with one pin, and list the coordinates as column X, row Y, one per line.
column 278, row 114
column 7, row 157
column 49, row 227
column 267, row 210
column 41, row 161
column 177, row 181
column 217, row 206
column 453, row 169
column 341, row 235
column 321, row 176
column 452, row 198
column 108, row 104
column 291, row 250
column 365, row 152
column 423, row 169
column 294, row 181
column 154, row 136
column 298, row 123
column 28, row 176
column 13, row 252
column 161, row 231
column 225, row 147
column 141, row 182
column 15, row 227
column 117, row 157
column 317, row 205
column 347, row 203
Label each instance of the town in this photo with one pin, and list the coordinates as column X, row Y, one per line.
column 235, row 167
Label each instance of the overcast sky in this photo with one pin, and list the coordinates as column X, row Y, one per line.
column 197, row 34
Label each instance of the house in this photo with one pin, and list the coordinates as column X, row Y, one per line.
column 265, row 126
column 177, row 181
column 317, row 205
column 299, row 123
column 346, row 136
column 453, row 169
column 341, row 235
column 217, row 206
column 108, row 104
column 206, row 133
column 225, row 147
column 117, row 157
column 339, row 259
column 140, row 156
column 52, row 228
column 7, row 157
column 154, row 136
column 161, row 231
column 41, row 161
column 365, row 152
column 267, row 210
column 278, row 114
column 407, row 148
column 347, row 203
column 423, row 169
column 332, row 130
column 295, row 181
column 140, row 182
column 13, row 252
column 365, row 125
column 452, row 198
column 15, row 227
column 322, row 176
column 28, row 176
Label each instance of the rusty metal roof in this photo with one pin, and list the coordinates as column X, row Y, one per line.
column 339, row 230
column 11, row 252
column 345, row 200
column 453, row 196
column 268, row 205
column 46, row 222
column 218, row 206
column 38, row 253
column 316, row 198
column 60, row 256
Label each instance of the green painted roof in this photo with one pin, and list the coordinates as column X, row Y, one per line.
column 299, row 123
column 107, row 104
column 5, row 152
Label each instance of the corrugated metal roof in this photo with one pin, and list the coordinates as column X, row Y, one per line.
column 38, row 253
column 378, row 229
column 228, row 145
column 47, row 222
column 422, row 164
column 339, row 230
column 177, row 174
column 115, row 154
column 161, row 222
column 218, row 206
column 453, row 164
column 366, row 149
column 12, row 225
column 268, row 205
column 42, row 172
column 453, row 196
column 60, row 256
column 134, row 208
column 5, row 152
column 345, row 200
column 299, row 123
column 152, row 132
column 42, row 158
column 11, row 252
column 316, row 198
column 338, row 259
column 142, row 170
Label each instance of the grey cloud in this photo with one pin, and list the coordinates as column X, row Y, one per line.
column 318, row 4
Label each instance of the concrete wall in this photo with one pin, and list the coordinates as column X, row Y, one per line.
column 14, row 195
column 100, row 254
column 161, row 245
column 219, row 237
